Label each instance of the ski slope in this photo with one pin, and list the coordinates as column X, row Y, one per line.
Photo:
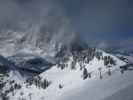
column 73, row 85
column 115, row 87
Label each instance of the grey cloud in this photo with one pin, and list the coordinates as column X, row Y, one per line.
column 99, row 22
column 102, row 21
column 102, row 16
column 40, row 19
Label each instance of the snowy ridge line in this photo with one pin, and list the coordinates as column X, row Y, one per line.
column 70, row 72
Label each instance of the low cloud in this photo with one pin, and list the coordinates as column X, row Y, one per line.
column 40, row 20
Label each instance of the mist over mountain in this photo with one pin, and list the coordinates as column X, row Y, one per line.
column 64, row 19
column 66, row 49
column 34, row 24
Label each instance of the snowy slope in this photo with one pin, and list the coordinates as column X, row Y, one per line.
column 67, row 80
column 115, row 87
column 9, row 81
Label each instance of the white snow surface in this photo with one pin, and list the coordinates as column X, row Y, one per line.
column 72, row 82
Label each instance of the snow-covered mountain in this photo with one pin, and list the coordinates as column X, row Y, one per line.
column 22, row 42
column 34, row 69
column 73, row 69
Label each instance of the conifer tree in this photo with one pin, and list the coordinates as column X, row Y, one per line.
column 85, row 73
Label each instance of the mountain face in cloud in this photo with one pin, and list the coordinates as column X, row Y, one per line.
column 98, row 22
column 34, row 22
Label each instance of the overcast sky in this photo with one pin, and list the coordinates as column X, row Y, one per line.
column 104, row 23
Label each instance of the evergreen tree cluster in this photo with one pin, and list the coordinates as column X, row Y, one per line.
column 60, row 86
column 13, row 86
column 73, row 65
column 2, row 84
column 62, row 62
column 39, row 82
column 85, row 74
column 99, row 55
column 62, row 65
column 109, row 60
column 83, row 56
column 4, row 96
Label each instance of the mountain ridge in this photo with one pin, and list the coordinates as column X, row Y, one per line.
column 73, row 68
